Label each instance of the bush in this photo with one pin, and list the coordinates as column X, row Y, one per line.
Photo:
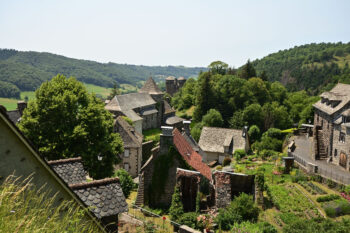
column 239, row 153
column 331, row 183
column 242, row 208
column 298, row 177
column 189, row 219
column 329, row 197
column 213, row 118
column 227, row 161
column 196, row 131
column 330, row 211
column 176, row 209
column 126, row 181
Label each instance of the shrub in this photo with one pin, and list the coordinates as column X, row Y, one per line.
column 126, row 181
column 239, row 153
column 189, row 219
column 226, row 161
column 329, row 197
column 254, row 133
column 213, row 118
column 176, row 209
column 298, row 177
column 331, row 212
column 331, row 183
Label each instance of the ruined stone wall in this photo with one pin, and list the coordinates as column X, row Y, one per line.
column 222, row 189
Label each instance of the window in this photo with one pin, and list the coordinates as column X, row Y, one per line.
column 126, row 153
column 126, row 167
column 335, row 153
column 342, row 137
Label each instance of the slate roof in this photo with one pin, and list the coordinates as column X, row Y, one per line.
column 341, row 92
column 132, row 115
column 214, row 139
column 191, row 141
column 173, row 120
column 70, row 170
column 130, row 101
column 14, row 115
column 104, row 197
column 167, row 108
column 150, row 87
column 130, row 137
column 190, row 156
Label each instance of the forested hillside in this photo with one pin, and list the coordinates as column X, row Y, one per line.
column 307, row 67
column 27, row 70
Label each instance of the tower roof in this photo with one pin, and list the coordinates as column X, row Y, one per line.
column 150, row 87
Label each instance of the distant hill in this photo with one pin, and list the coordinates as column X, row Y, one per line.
column 27, row 70
column 309, row 67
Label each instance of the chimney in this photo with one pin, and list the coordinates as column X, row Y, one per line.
column 187, row 127
column 21, row 105
column 245, row 131
column 166, row 139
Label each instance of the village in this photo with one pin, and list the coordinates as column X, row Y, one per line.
column 182, row 184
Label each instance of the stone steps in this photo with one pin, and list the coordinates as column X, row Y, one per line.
column 321, row 148
column 140, row 194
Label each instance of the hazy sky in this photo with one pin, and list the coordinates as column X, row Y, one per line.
column 164, row 32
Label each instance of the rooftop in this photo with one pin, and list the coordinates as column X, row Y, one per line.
column 214, row 139
column 150, row 87
column 130, row 101
column 130, row 137
column 105, row 197
column 190, row 156
column 341, row 93
column 70, row 170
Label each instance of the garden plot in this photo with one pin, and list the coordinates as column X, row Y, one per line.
column 312, row 188
column 290, row 201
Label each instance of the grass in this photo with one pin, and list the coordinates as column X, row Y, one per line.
column 26, row 209
column 151, row 135
column 9, row 104
column 101, row 91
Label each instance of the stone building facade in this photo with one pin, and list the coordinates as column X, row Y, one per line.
column 332, row 126
column 132, row 140
column 173, row 84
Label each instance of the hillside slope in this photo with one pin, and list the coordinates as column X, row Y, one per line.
column 309, row 67
column 27, row 70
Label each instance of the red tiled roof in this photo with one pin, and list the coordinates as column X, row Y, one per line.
column 190, row 156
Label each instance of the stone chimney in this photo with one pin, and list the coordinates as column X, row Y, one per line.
column 21, row 105
column 187, row 127
column 166, row 139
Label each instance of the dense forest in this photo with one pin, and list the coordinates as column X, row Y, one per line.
column 307, row 67
column 27, row 70
column 225, row 98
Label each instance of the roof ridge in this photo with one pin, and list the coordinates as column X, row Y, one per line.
column 60, row 161
column 94, row 183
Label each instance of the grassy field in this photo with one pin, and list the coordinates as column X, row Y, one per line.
column 102, row 91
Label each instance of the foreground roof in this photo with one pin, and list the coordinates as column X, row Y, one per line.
column 130, row 101
column 214, row 139
column 130, row 137
column 105, row 197
column 341, row 93
column 190, row 156
column 70, row 170
column 150, row 87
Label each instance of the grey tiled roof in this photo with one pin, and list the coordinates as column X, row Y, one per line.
column 70, row 170
column 341, row 92
column 130, row 101
column 167, row 107
column 214, row 139
column 104, row 197
column 14, row 115
column 150, row 87
column 173, row 120
column 130, row 137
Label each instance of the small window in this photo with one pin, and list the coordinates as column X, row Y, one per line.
column 126, row 153
column 342, row 137
column 335, row 152
column 126, row 167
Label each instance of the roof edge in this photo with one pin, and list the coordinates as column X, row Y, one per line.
column 94, row 183
column 62, row 161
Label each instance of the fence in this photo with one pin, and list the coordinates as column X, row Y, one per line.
column 324, row 172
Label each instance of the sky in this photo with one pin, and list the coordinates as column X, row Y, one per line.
column 164, row 32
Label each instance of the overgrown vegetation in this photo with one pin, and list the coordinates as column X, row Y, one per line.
column 126, row 181
column 24, row 208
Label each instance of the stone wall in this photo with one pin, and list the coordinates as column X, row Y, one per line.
column 323, row 122
column 340, row 147
column 147, row 151
column 222, row 189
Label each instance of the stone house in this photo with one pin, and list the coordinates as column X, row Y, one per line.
column 173, row 85
column 169, row 137
column 132, row 155
column 217, row 143
column 332, row 126
column 64, row 179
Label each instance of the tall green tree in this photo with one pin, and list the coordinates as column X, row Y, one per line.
column 115, row 91
column 213, row 119
column 248, row 71
column 218, row 67
column 205, row 96
column 65, row 121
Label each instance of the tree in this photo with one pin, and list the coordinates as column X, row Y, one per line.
column 213, row 118
column 248, row 71
column 196, row 131
column 114, row 91
column 125, row 181
column 254, row 133
column 176, row 209
column 204, row 97
column 218, row 67
column 64, row 121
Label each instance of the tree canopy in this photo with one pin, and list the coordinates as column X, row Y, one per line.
column 66, row 121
